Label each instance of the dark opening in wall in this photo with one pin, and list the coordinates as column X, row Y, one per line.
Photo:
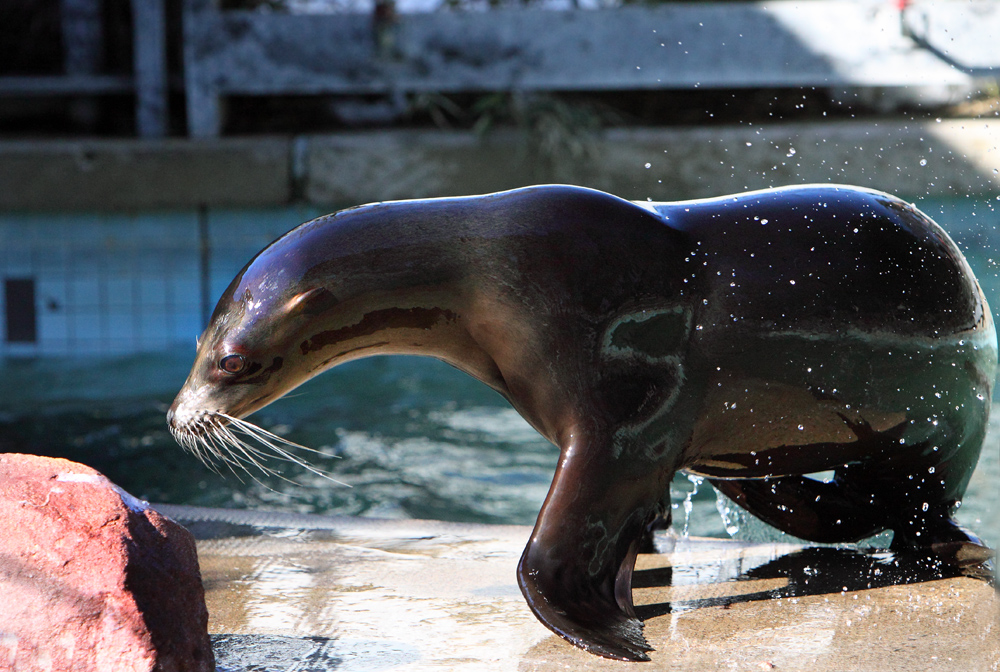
column 19, row 302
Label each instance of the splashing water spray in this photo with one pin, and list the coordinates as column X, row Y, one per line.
column 689, row 503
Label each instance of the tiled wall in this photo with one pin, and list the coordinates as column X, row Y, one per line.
column 117, row 284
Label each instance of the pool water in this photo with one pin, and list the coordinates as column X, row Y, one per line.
column 412, row 437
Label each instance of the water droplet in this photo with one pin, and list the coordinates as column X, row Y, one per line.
column 925, row 507
column 923, row 162
column 801, row 428
column 763, row 221
column 649, row 165
column 750, row 144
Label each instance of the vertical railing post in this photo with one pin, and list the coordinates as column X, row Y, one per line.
column 204, row 113
column 150, row 66
column 83, row 44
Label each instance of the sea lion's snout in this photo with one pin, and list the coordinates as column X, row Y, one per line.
column 177, row 414
column 207, row 421
column 189, row 421
column 179, row 419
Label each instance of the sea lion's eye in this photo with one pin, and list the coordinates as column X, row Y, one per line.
column 232, row 363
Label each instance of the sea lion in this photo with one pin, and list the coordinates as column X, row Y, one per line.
column 752, row 339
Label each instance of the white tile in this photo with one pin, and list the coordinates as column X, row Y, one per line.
column 121, row 325
column 52, row 257
column 153, row 291
column 52, row 329
column 153, row 327
column 84, row 326
column 84, row 293
column 120, row 291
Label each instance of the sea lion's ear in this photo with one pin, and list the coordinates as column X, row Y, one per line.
column 311, row 302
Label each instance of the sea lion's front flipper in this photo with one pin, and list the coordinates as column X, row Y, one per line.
column 576, row 571
column 568, row 603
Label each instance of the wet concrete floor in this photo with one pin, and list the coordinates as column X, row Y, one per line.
column 289, row 593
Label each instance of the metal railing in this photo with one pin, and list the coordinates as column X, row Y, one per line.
column 784, row 43
column 82, row 39
column 822, row 43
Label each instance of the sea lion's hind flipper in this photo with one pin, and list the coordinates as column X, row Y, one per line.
column 951, row 543
column 806, row 508
column 974, row 560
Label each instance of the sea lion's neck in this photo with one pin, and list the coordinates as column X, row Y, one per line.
column 397, row 276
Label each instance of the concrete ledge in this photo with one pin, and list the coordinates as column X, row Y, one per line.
column 960, row 157
column 116, row 175
column 956, row 157
column 413, row 595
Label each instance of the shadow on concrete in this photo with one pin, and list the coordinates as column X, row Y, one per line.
column 816, row 571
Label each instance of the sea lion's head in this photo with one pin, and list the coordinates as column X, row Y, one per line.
column 340, row 287
column 249, row 355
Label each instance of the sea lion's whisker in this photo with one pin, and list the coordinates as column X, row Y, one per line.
column 249, row 427
column 194, row 443
column 214, row 438
column 215, row 453
column 269, row 440
column 235, row 454
column 243, row 451
column 212, row 449
column 254, row 430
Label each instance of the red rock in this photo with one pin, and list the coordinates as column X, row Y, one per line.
column 93, row 579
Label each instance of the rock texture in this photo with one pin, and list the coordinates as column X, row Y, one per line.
column 93, row 579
